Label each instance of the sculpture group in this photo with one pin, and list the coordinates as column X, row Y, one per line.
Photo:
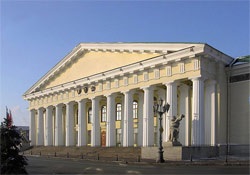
column 174, row 130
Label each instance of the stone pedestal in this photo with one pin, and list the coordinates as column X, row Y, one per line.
column 169, row 144
column 176, row 153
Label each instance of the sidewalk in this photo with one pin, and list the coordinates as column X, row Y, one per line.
column 218, row 161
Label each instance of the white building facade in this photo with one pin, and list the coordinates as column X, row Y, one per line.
column 102, row 94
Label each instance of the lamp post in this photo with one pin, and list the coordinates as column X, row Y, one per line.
column 161, row 109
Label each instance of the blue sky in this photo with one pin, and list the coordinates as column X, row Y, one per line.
column 35, row 35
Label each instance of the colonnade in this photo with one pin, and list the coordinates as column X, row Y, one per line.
column 197, row 100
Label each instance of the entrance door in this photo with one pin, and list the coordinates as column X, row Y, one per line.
column 103, row 140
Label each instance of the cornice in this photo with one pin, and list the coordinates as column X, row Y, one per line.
column 217, row 55
column 239, row 69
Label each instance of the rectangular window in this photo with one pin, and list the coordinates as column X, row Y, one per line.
column 182, row 67
column 125, row 81
column 145, row 76
column 157, row 73
column 135, row 79
column 196, row 64
column 135, row 109
column 116, row 83
column 104, row 114
column 89, row 136
column 108, row 85
column 168, row 71
column 118, row 111
column 90, row 115
column 118, row 137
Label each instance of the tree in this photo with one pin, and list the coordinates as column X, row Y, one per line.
column 11, row 161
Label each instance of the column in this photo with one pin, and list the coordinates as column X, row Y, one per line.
column 48, row 127
column 59, row 126
column 128, row 129
column 82, row 123
column 210, row 112
column 184, row 136
column 32, row 131
column 171, row 98
column 198, row 112
column 95, row 132
column 213, row 113
column 40, row 127
column 148, row 117
column 140, row 118
column 110, row 124
column 70, row 124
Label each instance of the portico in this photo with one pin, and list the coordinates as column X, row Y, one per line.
column 110, row 101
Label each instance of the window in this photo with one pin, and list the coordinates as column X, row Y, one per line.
column 118, row 111
column 90, row 115
column 145, row 75
column 157, row 73
column 135, row 109
column 104, row 114
column 76, row 117
column 135, row 79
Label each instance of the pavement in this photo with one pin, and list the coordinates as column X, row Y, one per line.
column 58, row 165
column 223, row 160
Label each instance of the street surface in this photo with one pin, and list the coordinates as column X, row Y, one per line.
column 43, row 165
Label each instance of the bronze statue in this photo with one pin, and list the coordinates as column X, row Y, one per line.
column 174, row 128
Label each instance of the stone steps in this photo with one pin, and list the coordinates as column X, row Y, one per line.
column 87, row 152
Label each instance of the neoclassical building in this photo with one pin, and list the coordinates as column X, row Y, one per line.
column 102, row 94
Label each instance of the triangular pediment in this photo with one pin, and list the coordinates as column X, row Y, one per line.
column 88, row 59
column 94, row 62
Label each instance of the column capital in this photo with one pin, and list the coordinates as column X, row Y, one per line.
column 197, row 78
column 128, row 91
column 169, row 83
column 49, row 107
column 183, row 85
column 70, row 103
column 41, row 109
column 95, row 98
column 59, row 105
column 82, row 100
column 109, row 94
column 150, row 87
column 32, row 110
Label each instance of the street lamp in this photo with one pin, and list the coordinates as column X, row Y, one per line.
column 161, row 109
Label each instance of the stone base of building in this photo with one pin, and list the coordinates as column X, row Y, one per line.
column 175, row 153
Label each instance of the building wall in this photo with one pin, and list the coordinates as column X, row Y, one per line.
column 239, row 112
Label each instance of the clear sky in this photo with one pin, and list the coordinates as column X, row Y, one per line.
column 35, row 35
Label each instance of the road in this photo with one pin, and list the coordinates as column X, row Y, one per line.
column 43, row 165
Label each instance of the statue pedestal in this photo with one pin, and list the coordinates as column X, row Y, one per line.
column 175, row 152
column 172, row 150
column 170, row 144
